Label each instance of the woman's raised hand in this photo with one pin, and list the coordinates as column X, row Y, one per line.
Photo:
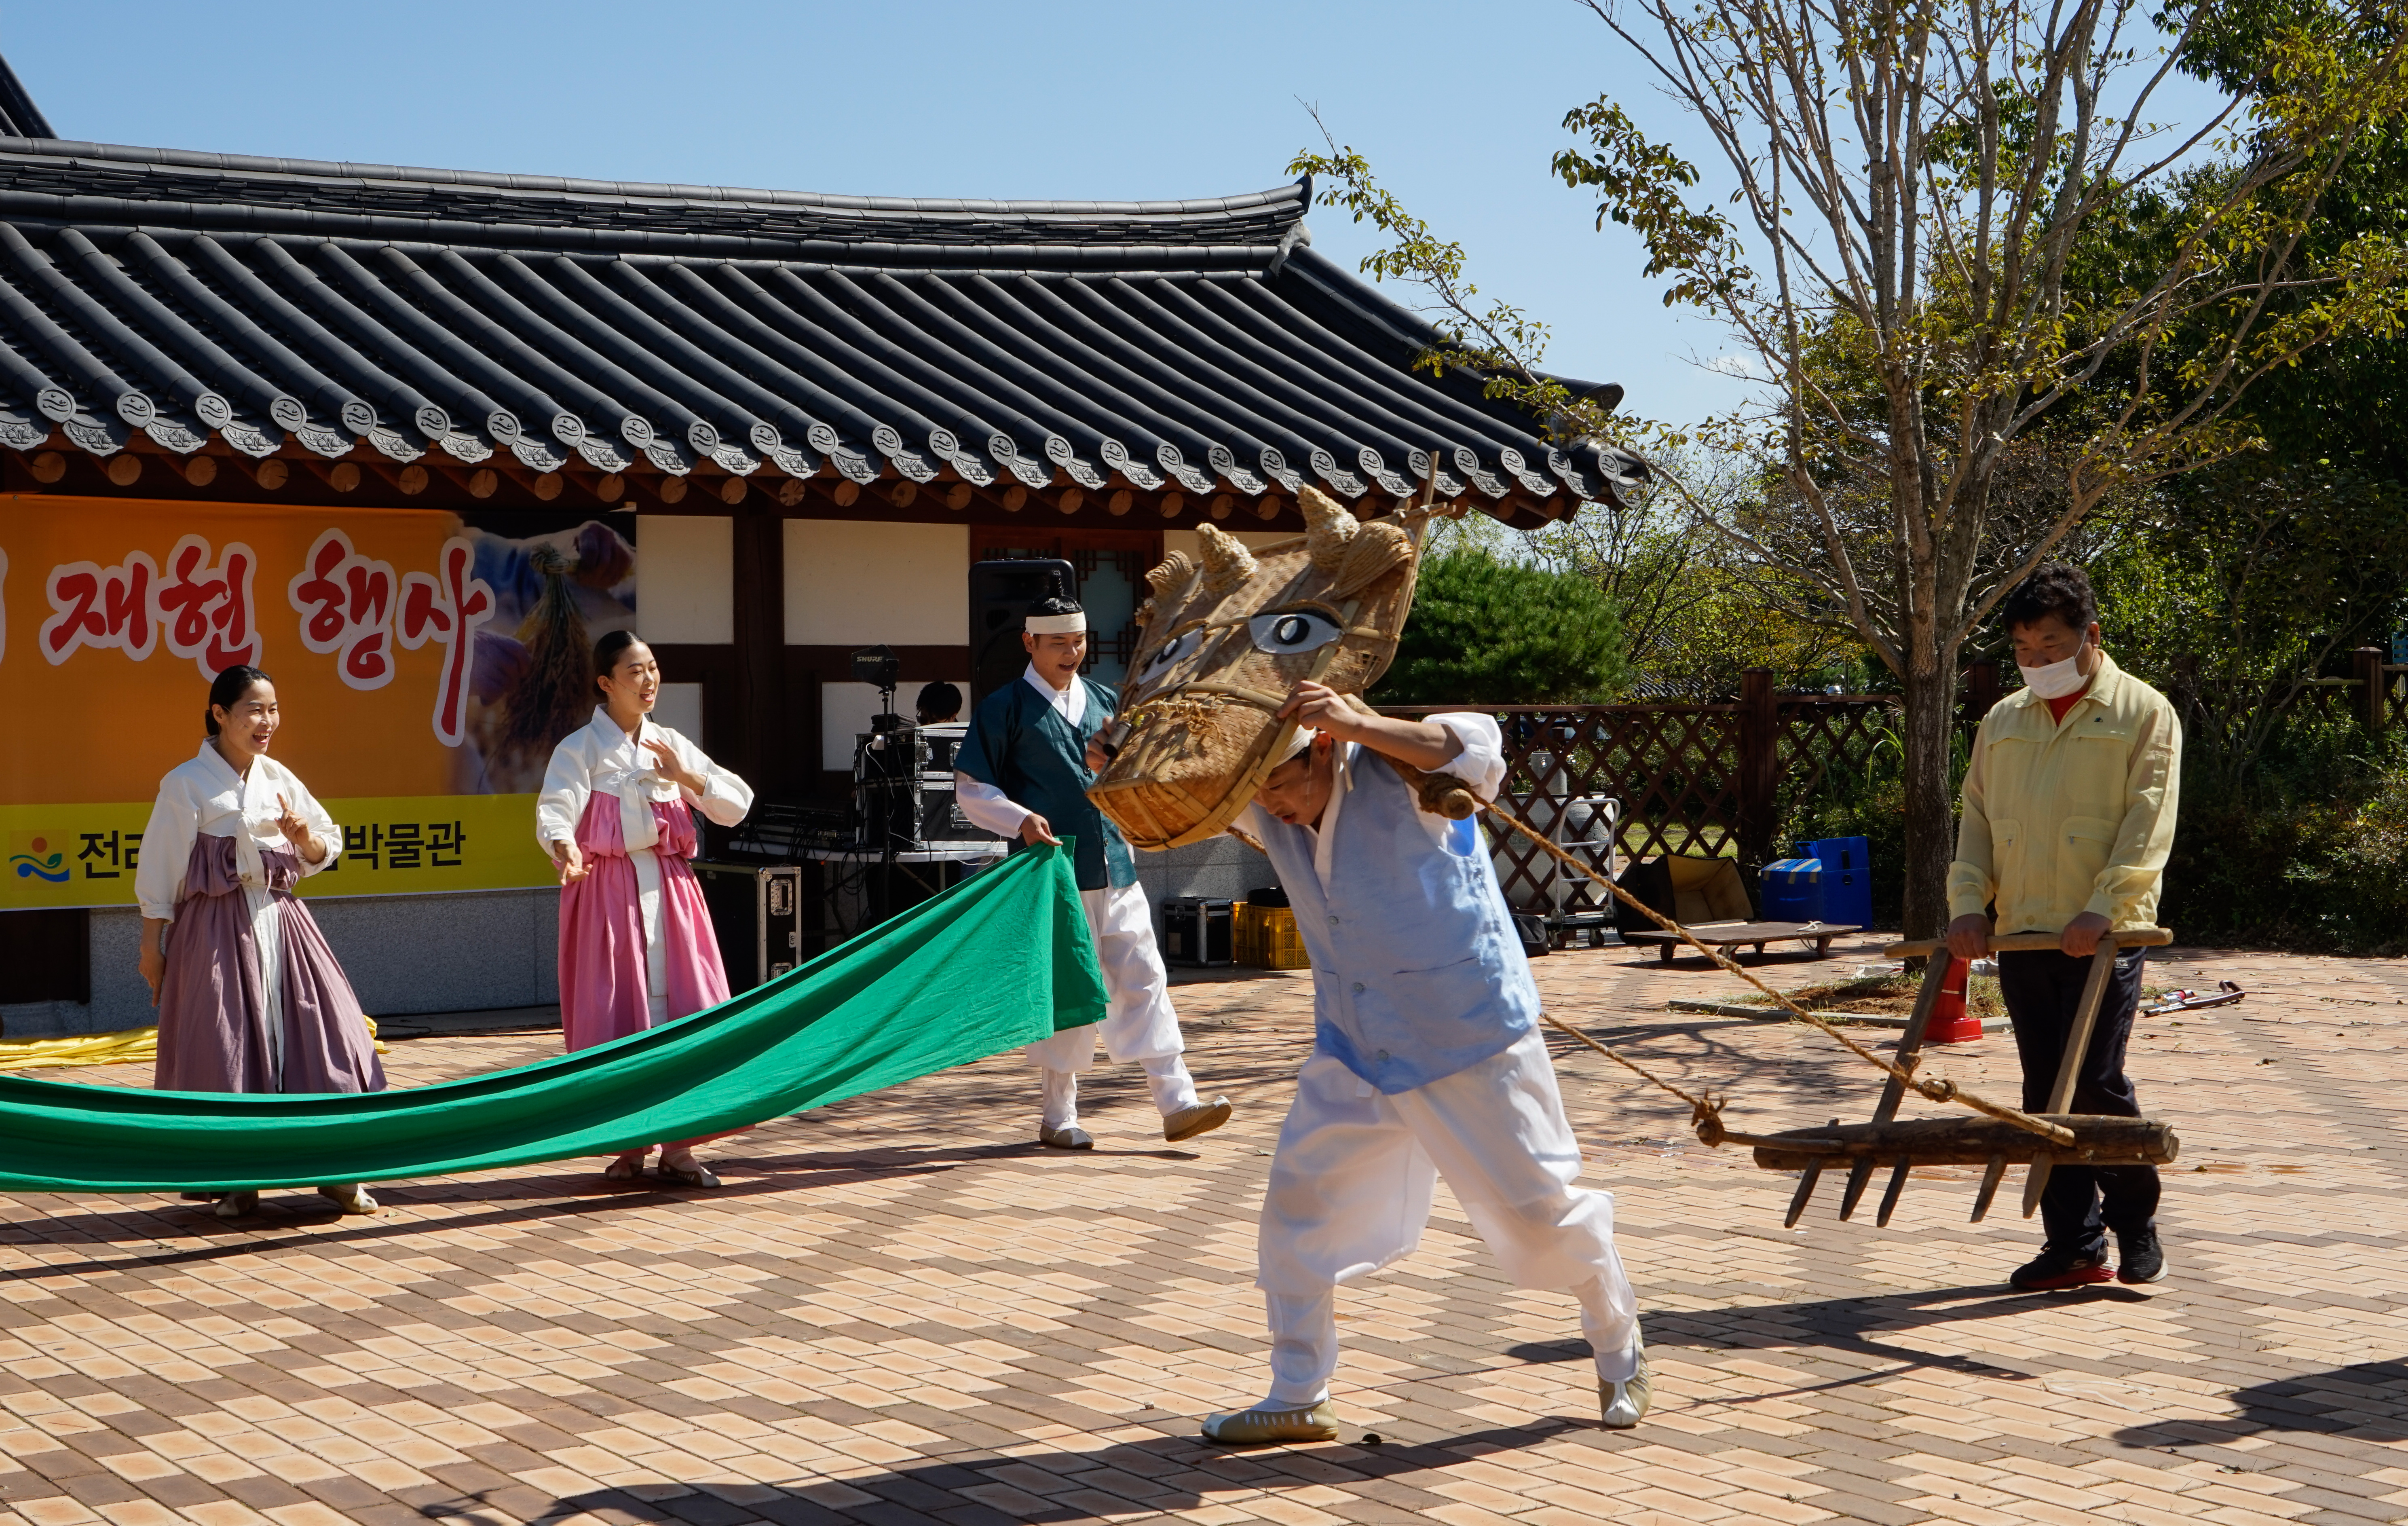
column 289, row 822
column 667, row 763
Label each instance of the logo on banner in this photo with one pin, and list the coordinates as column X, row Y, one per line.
column 31, row 856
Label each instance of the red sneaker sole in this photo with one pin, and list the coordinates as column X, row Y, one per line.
column 2063, row 1280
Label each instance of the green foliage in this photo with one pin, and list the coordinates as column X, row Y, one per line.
column 1492, row 632
column 2310, row 852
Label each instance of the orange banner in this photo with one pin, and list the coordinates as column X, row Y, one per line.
column 414, row 654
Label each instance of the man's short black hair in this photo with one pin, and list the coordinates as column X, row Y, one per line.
column 1056, row 606
column 2057, row 588
column 938, row 703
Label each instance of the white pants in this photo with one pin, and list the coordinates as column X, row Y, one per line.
column 1350, row 1193
column 1138, row 1025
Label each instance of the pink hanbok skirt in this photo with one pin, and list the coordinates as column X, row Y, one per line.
column 213, row 1033
column 605, row 993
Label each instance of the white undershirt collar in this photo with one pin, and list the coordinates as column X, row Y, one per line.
column 1070, row 703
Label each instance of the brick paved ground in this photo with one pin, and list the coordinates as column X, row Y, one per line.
column 898, row 1311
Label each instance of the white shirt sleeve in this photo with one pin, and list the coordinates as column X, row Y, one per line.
column 726, row 798
column 166, row 849
column 567, row 783
column 988, row 808
column 1481, row 763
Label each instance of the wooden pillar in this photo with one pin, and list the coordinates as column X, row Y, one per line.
column 1759, row 767
column 2374, row 698
column 760, row 599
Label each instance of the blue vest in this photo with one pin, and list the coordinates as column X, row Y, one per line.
column 1417, row 971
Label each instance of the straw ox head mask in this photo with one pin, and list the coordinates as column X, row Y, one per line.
column 1224, row 643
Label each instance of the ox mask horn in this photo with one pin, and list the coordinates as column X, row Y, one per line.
column 1225, row 640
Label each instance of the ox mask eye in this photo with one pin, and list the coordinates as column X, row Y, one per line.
column 1286, row 633
column 1171, row 656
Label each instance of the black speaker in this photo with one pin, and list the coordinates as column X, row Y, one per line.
column 1001, row 596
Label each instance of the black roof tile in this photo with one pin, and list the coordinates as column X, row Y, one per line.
column 1195, row 344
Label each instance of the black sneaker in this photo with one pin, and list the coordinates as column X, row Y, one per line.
column 2054, row 1272
column 2142, row 1257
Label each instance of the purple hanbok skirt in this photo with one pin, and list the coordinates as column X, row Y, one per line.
column 213, row 1002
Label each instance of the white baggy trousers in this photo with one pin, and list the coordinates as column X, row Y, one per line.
column 1139, row 1024
column 1350, row 1193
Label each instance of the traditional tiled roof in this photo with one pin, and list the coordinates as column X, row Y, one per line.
column 394, row 312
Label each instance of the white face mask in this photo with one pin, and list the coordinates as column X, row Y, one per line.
column 2056, row 680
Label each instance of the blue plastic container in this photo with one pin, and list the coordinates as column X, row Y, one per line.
column 1793, row 890
column 1847, row 880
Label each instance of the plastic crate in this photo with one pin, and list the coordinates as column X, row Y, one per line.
column 1266, row 938
column 1793, row 890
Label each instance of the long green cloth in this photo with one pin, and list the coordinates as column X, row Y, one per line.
column 1002, row 959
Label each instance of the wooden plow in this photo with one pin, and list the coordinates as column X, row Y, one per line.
column 1993, row 1144
column 2000, row 1137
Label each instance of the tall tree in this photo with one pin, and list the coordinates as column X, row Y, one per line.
column 1921, row 182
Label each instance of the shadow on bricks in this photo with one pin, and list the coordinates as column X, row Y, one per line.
column 1129, row 1480
column 2366, row 1401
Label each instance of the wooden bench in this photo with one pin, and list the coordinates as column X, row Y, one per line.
column 1735, row 935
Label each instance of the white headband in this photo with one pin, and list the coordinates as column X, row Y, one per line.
column 1303, row 739
column 1056, row 624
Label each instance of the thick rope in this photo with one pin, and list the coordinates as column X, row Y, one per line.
column 1439, row 794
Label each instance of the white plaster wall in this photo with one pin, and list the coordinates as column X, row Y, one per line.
column 860, row 582
column 679, row 709
column 686, row 579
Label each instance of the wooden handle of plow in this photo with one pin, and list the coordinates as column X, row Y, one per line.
column 2012, row 942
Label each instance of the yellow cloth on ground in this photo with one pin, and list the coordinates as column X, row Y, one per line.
column 132, row 1046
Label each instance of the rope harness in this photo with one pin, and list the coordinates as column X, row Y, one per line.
column 1446, row 796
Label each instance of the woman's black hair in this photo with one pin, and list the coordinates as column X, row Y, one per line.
column 226, row 691
column 607, row 650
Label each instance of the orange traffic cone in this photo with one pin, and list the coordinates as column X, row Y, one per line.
column 1950, row 1022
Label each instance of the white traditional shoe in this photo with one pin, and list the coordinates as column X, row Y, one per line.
column 1625, row 1403
column 1202, row 1118
column 350, row 1197
column 1262, row 1427
column 236, row 1205
column 1072, row 1138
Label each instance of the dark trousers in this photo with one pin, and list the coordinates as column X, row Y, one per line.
column 2042, row 989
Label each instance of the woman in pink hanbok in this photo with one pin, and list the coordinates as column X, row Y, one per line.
column 250, row 996
column 637, row 948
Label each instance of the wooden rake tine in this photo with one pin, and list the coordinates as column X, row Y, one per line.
column 2069, row 1069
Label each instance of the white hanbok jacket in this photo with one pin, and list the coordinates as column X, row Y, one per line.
column 601, row 760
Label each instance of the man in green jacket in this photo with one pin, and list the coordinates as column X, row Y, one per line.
column 2069, row 816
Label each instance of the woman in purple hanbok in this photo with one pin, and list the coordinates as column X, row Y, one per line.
column 250, row 996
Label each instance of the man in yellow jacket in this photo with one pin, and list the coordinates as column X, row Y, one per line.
column 2069, row 815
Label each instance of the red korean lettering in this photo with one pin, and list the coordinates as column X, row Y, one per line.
column 449, row 608
column 345, row 604
column 102, row 607
column 206, row 606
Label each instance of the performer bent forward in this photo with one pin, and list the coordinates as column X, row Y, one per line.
column 1426, row 1061
column 1023, row 771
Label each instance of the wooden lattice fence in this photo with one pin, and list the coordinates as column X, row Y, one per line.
column 1719, row 778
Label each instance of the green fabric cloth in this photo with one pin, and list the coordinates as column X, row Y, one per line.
column 1002, row 959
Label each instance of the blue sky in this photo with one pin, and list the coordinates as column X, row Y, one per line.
column 1457, row 105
